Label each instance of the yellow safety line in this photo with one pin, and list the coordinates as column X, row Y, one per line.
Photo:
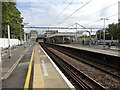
column 38, row 79
column 26, row 85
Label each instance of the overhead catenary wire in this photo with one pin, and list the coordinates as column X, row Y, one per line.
column 62, row 11
column 31, row 14
column 113, row 15
column 98, row 11
column 92, row 22
column 74, row 12
column 100, row 20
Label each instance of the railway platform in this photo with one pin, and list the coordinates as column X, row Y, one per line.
column 31, row 67
column 46, row 73
column 114, row 51
column 14, row 69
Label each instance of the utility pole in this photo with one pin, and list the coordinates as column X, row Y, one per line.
column 104, row 33
column 104, row 30
column 96, row 38
column 76, row 32
column 90, row 37
column 20, row 35
column 84, row 39
column 9, row 48
column 24, row 39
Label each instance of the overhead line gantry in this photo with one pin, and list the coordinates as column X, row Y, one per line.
column 46, row 27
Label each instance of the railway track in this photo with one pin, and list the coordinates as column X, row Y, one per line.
column 101, row 66
column 82, row 80
column 106, row 76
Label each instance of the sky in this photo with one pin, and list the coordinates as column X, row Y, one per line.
column 87, row 13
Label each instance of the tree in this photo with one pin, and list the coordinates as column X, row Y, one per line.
column 34, row 31
column 11, row 16
column 99, row 34
column 118, row 32
column 112, row 32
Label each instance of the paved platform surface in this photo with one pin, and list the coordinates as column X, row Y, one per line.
column 5, row 52
column 7, row 62
column 45, row 74
column 114, row 51
column 14, row 69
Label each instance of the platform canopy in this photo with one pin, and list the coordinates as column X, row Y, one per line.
column 65, row 34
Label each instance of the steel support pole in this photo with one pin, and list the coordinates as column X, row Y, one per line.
column 24, row 39
column 104, row 33
column 84, row 39
column 89, row 38
column 9, row 48
column 76, row 32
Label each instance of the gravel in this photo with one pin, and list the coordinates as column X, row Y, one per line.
column 99, row 76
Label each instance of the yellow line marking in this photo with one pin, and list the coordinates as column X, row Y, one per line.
column 38, row 79
column 27, row 81
column 14, row 66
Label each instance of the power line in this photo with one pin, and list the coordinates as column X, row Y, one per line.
column 31, row 14
column 113, row 15
column 92, row 22
column 99, row 11
column 100, row 20
column 74, row 12
column 63, row 10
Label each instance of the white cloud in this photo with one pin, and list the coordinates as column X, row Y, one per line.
column 44, row 12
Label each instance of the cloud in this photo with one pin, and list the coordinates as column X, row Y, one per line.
column 44, row 12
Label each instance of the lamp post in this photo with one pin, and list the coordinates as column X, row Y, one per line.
column 104, row 19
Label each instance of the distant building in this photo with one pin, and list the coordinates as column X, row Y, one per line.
column 33, row 35
column 50, row 32
column 119, row 11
